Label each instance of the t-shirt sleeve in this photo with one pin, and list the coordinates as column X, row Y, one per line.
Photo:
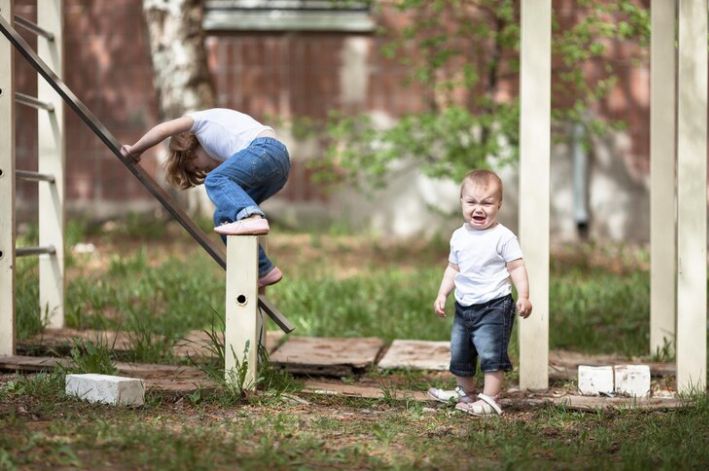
column 198, row 118
column 453, row 254
column 510, row 249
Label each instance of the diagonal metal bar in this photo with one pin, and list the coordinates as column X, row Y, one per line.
column 148, row 182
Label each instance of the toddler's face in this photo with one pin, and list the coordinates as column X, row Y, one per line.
column 480, row 204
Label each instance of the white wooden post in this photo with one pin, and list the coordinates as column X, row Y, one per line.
column 663, row 125
column 7, row 191
column 535, row 121
column 243, row 323
column 692, row 197
column 51, row 158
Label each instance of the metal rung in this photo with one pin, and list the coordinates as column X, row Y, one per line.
column 25, row 251
column 34, row 176
column 29, row 26
column 31, row 101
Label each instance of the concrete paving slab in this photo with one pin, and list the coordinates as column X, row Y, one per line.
column 417, row 354
column 327, row 356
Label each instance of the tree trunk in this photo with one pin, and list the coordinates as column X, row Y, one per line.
column 181, row 74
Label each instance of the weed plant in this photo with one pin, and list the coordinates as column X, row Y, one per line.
column 91, row 357
column 234, row 388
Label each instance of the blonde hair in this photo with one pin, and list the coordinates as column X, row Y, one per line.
column 182, row 151
column 481, row 177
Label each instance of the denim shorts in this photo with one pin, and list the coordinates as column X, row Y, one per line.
column 482, row 330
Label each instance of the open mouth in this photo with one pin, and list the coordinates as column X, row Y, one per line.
column 479, row 219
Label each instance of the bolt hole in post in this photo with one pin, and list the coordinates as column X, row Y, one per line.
column 2, row 254
column 241, row 299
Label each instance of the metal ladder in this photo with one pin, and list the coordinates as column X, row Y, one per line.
column 63, row 96
column 49, row 175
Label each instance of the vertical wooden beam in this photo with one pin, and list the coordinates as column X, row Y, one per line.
column 51, row 158
column 663, row 126
column 692, row 197
column 535, row 122
column 7, row 191
column 243, row 322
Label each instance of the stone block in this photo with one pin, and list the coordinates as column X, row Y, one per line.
column 106, row 389
column 595, row 380
column 632, row 380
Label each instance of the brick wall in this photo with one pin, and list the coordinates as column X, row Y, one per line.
column 270, row 75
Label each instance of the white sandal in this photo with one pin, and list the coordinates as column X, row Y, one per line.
column 486, row 406
column 448, row 396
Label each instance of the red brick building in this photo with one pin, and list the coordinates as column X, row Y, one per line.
column 280, row 74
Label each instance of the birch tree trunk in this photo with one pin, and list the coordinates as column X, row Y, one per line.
column 181, row 74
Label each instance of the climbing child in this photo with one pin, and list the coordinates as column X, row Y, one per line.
column 484, row 257
column 239, row 160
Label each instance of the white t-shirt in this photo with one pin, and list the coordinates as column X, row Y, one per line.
column 223, row 132
column 481, row 256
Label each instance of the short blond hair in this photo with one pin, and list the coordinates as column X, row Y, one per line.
column 481, row 177
column 183, row 147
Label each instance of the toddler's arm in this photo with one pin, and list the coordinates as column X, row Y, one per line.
column 518, row 274
column 447, row 285
column 156, row 135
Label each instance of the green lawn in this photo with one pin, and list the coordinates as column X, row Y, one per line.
column 157, row 285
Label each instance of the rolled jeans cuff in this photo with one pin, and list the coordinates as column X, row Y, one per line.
column 249, row 211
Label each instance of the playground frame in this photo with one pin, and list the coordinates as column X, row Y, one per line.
column 678, row 183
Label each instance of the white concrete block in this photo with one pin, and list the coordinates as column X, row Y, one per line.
column 107, row 389
column 632, row 380
column 595, row 380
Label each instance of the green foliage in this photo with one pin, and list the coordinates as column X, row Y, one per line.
column 233, row 389
column 457, row 54
column 444, row 142
column 91, row 357
column 236, row 383
column 385, row 303
column 600, row 312
column 599, row 309
column 43, row 386
column 31, row 322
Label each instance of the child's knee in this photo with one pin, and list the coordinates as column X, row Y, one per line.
column 212, row 180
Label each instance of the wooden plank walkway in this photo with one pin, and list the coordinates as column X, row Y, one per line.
column 186, row 379
column 195, row 344
column 417, row 355
column 158, row 377
column 328, row 357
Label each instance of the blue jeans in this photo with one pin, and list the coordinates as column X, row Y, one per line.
column 244, row 180
column 482, row 330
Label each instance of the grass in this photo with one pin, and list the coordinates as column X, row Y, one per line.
column 158, row 286
column 41, row 426
column 334, row 287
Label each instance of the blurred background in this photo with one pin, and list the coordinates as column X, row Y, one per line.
column 384, row 106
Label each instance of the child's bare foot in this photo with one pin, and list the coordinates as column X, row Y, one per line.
column 270, row 278
column 251, row 225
